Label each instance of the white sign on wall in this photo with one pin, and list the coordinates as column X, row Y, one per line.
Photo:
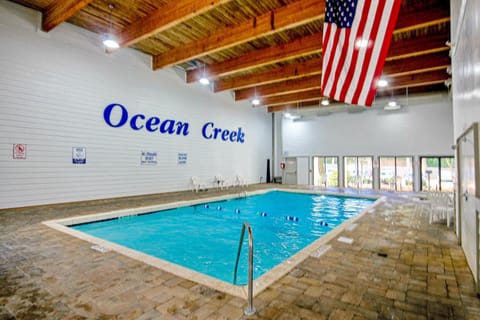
column 19, row 151
column 148, row 158
column 79, row 155
column 182, row 158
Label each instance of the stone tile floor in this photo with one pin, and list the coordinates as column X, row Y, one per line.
column 398, row 267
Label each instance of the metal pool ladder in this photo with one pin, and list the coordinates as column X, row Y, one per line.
column 250, row 309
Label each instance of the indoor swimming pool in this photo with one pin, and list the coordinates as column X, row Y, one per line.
column 198, row 239
column 205, row 237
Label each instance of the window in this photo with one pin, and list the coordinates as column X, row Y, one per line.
column 325, row 171
column 438, row 173
column 396, row 173
column 358, row 172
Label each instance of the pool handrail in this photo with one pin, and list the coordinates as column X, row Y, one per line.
column 250, row 309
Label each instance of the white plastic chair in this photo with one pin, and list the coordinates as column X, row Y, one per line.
column 240, row 181
column 220, row 181
column 441, row 207
column 197, row 185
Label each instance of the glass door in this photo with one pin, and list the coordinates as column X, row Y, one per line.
column 325, row 171
column 358, row 172
column 396, row 173
column 438, row 173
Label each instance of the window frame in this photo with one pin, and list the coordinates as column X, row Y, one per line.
column 357, row 176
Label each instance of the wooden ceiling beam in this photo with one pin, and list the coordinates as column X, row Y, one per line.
column 288, row 72
column 410, row 81
column 292, row 106
column 289, row 16
column 434, row 87
column 59, row 11
column 415, row 80
column 169, row 15
column 419, row 64
column 292, row 98
column 280, row 88
column 396, row 68
column 430, row 16
column 402, row 49
column 312, row 44
column 297, row 48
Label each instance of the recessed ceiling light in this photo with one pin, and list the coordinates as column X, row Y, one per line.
column 110, row 43
column 290, row 116
column 204, row 81
column 381, row 83
column 392, row 105
column 109, row 40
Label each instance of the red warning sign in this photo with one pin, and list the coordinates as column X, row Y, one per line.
column 19, row 151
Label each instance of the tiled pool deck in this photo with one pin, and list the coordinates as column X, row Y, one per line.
column 398, row 267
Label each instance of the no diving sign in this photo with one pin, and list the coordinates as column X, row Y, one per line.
column 19, row 151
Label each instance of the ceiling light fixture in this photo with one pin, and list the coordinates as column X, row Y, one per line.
column 382, row 83
column 290, row 116
column 255, row 100
column 324, row 102
column 392, row 105
column 109, row 40
column 204, row 80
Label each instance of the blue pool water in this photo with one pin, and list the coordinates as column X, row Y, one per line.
column 205, row 237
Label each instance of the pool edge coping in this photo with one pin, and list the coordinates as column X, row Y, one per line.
column 260, row 284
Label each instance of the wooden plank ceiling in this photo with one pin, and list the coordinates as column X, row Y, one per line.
column 271, row 49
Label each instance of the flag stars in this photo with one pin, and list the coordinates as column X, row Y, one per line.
column 341, row 12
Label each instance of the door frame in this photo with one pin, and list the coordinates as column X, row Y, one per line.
column 475, row 197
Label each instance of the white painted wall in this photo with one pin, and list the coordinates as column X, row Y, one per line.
column 465, row 25
column 53, row 90
column 465, row 53
column 422, row 128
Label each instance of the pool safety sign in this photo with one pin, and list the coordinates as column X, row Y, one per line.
column 182, row 158
column 148, row 158
column 79, row 155
column 19, row 151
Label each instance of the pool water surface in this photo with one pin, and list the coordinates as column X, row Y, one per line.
column 205, row 237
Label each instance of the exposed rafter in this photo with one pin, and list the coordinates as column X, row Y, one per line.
column 268, row 48
column 293, row 49
column 393, row 68
column 288, row 72
column 417, row 46
column 418, row 79
column 171, row 14
column 289, row 16
column 310, row 45
column 418, row 64
column 289, row 86
column 421, row 19
column 314, row 94
column 59, row 11
column 293, row 106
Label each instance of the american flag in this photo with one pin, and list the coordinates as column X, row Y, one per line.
column 356, row 38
